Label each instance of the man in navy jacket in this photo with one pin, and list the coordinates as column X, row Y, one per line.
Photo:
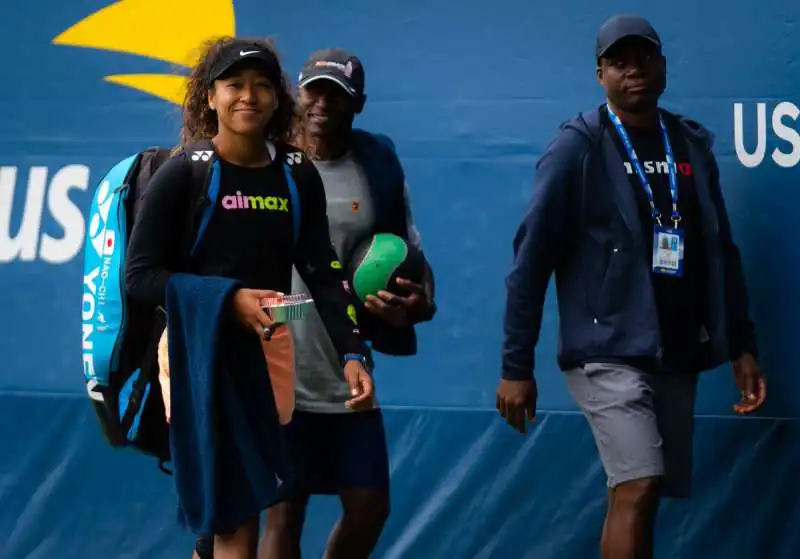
column 628, row 213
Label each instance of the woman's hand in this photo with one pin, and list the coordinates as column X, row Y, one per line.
column 247, row 304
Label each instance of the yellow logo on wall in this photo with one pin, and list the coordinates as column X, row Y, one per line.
column 166, row 30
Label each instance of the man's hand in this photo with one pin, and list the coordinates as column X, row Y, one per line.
column 750, row 380
column 360, row 384
column 401, row 311
column 516, row 402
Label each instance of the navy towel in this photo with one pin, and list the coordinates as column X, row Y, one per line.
column 228, row 450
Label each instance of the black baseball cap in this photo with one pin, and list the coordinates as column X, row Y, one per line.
column 622, row 26
column 236, row 52
column 336, row 65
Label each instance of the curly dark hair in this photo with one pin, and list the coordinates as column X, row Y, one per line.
column 200, row 122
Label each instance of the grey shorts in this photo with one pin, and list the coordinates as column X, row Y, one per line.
column 642, row 423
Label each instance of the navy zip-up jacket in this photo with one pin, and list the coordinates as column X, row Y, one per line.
column 582, row 225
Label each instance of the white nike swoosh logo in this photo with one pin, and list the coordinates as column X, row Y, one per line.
column 246, row 52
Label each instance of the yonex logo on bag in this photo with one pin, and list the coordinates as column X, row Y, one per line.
column 101, row 239
column 202, row 155
column 97, row 282
column 292, row 158
column 91, row 384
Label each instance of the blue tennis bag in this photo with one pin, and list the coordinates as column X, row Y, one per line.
column 120, row 335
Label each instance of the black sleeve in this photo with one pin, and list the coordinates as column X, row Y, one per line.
column 318, row 265
column 157, row 234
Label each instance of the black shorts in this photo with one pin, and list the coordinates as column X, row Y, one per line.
column 334, row 451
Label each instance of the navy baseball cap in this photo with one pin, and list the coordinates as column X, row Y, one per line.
column 622, row 26
column 336, row 65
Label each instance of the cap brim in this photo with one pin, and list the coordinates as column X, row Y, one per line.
column 256, row 59
column 627, row 36
column 336, row 79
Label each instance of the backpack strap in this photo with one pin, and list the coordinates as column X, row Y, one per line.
column 293, row 161
column 204, row 180
column 152, row 159
column 294, row 195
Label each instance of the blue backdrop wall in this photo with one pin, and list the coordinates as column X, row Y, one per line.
column 471, row 93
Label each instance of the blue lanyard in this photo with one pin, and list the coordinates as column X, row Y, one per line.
column 673, row 178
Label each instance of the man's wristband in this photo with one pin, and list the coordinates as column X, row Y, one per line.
column 354, row 357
